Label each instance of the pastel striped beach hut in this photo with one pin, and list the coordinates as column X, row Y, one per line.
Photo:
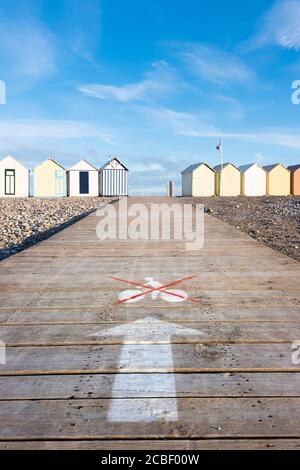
column 14, row 178
column 254, row 180
column 198, row 180
column 228, row 180
column 83, row 179
column 49, row 179
column 295, row 179
column 278, row 180
column 113, row 178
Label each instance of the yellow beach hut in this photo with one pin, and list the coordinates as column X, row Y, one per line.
column 278, row 180
column 49, row 179
column 228, row 180
column 198, row 180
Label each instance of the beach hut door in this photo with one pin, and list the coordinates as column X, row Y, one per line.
column 59, row 183
column 10, row 182
column 84, row 182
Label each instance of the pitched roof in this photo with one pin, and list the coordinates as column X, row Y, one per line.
column 194, row 167
column 219, row 167
column 244, row 168
column 15, row 160
column 83, row 161
column 271, row 167
column 51, row 160
column 111, row 160
column 293, row 168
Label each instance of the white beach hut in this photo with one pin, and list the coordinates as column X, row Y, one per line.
column 254, row 180
column 198, row 180
column 83, row 179
column 114, row 178
column 14, row 178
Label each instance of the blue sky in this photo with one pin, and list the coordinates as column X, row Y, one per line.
column 156, row 83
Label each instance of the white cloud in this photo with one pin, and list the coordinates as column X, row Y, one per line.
column 159, row 81
column 185, row 124
column 26, row 48
column 279, row 26
column 54, row 129
column 214, row 64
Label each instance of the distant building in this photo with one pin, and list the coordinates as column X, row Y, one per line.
column 278, row 180
column 228, row 180
column 49, row 179
column 254, row 180
column 295, row 179
column 198, row 180
column 83, row 179
column 14, row 178
column 114, row 179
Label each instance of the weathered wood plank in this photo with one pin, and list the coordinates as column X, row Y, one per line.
column 151, row 418
column 151, row 331
column 148, row 358
column 150, row 385
column 158, row 444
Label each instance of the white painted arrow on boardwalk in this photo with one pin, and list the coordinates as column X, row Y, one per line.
column 161, row 332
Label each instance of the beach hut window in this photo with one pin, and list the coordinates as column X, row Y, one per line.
column 10, row 182
column 59, row 183
column 84, row 182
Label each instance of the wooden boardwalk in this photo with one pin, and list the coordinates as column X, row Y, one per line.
column 82, row 372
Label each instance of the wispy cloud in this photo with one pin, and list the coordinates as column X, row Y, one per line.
column 213, row 64
column 162, row 79
column 26, row 48
column 145, row 167
column 279, row 26
column 54, row 129
column 186, row 124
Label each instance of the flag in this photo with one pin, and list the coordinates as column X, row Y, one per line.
column 219, row 146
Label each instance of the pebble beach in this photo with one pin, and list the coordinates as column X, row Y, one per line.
column 26, row 221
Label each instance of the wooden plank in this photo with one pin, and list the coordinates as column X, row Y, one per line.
column 163, row 444
column 151, row 331
column 148, row 358
column 150, row 385
column 127, row 314
column 144, row 419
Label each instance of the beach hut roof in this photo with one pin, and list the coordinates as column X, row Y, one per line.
column 87, row 164
column 194, row 167
column 111, row 160
column 53, row 161
column 10, row 157
column 244, row 168
column 293, row 168
column 271, row 167
column 219, row 167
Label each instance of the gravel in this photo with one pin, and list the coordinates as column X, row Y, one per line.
column 26, row 221
column 274, row 221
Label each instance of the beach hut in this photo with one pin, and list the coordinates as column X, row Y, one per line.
column 228, row 180
column 113, row 179
column 14, row 178
column 49, row 179
column 295, row 179
column 198, row 180
column 278, row 180
column 254, row 180
column 83, row 179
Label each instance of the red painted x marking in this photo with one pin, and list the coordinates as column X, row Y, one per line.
column 152, row 289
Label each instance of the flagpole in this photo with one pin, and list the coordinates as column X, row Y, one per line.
column 222, row 156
